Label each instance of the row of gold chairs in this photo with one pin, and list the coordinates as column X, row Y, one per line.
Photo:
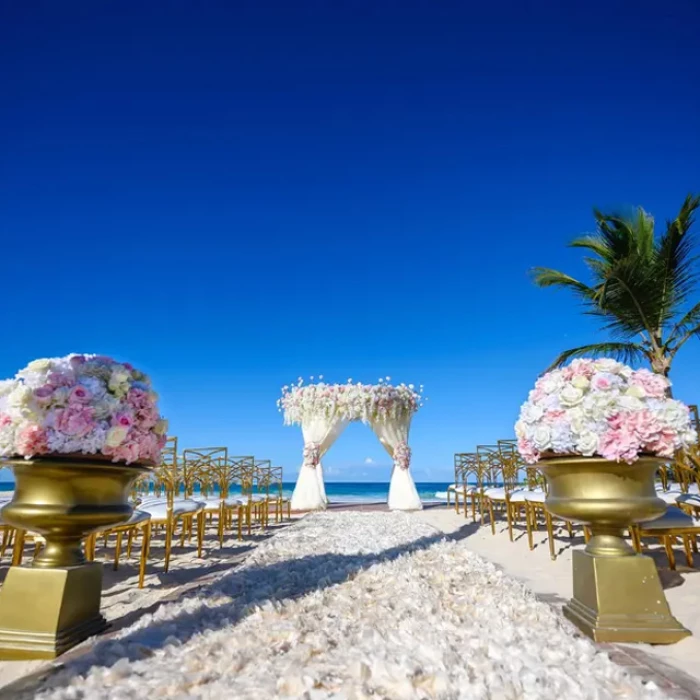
column 179, row 498
column 494, row 481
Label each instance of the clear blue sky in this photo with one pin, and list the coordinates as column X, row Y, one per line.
column 230, row 195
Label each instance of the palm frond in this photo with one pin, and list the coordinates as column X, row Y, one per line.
column 685, row 325
column 674, row 266
column 625, row 352
column 546, row 277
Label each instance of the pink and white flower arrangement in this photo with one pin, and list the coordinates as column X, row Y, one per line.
column 602, row 407
column 87, row 404
column 351, row 401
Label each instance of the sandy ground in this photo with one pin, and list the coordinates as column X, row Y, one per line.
column 123, row 602
column 544, row 576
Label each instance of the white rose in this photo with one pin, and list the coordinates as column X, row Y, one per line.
column 636, row 391
column 39, row 366
column 542, row 437
column 570, row 396
column 551, row 384
column 576, row 419
column 630, row 403
column 161, row 427
column 6, row 386
column 580, row 382
column 20, row 396
column 587, row 443
column 605, row 364
column 520, row 429
column 116, row 435
column 530, row 413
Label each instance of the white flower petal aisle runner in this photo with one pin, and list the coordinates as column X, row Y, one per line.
column 324, row 410
column 355, row 606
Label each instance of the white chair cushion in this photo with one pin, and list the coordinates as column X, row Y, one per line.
column 522, row 495
column 158, row 510
column 537, row 496
column 496, row 494
column 669, row 496
column 673, row 518
column 690, row 498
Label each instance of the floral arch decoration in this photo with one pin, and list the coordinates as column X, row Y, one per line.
column 324, row 410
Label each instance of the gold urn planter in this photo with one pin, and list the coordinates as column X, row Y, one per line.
column 617, row 593
column 52, row 605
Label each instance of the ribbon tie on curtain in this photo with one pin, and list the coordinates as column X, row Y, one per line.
column 312, row 455
column 402, row 455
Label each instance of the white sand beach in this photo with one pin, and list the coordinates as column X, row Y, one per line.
column 554, row 578
column 353, row 605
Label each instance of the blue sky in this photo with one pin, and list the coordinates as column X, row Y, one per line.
column 231, row 195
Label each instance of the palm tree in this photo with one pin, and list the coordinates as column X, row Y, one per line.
column 640, row 286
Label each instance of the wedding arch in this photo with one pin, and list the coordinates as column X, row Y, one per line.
column 324, row 411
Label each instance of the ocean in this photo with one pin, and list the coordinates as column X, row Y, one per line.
column 351, row 492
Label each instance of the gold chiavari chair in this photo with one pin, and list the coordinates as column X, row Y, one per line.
column 471, row 467
column 196, row 467
column 229, row 472
column 174, row 509
column 675, row 524
column 502, row 480
column 281, row 503
column 460, row 485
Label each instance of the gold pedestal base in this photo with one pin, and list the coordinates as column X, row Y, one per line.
column 620, row 599
column 45, row 612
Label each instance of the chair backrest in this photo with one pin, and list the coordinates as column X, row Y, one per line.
column 195, row 468
column 230, row 471
column 500, row 471
column 686, row 469
column 263, row 475
column 467, row 465
column 276, row 480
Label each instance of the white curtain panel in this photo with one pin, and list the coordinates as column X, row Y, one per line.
column 310, row 491
column 403, row 494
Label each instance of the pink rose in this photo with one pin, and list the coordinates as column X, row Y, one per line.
column 554, row 414
column 123, row 419
column 31, row 440
column 79, row 395
column 528, row 451
column 43, row 394
column 74, row 420
column 57, row 379
column 601, row 382
column 5, row 420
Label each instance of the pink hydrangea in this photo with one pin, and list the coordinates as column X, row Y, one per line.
column 75, row 420
column 32, row 440
column 654, row 385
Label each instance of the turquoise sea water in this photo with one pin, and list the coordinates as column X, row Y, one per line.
column 350, row 492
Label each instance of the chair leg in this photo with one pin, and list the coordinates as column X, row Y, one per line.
column 586, row 534
column 5, row 541
column 668, row 545
column 550, row 534
column 528, row 525
column 249, row 517
column 118, row 550
column 18, row 549
column 200, row 532
column 240, row 522
column 509, row 515
column 129, row 542
column 688, row 551
column 169, row 531
column 493, row 522
column 570, row 529
column 145, row 545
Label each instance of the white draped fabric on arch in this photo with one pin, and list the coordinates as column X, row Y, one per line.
column 324, row 410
